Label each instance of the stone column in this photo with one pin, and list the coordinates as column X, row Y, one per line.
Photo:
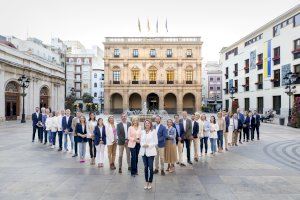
column 107, row 100
column 125, row 100
column 179, row 102
column 2, row 94
column 161, row 101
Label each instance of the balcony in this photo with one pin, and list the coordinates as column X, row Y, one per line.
column 116, row 82
column 226, row 90
column 235, row 72
column 259, row 85
column 134, row 82
column 246, row 87
column 296, row 53
column 152, row 82
column 226, row 75
column 188, row 82
column 170, row 82
column 259, row 64
column 276, row 59
column 246, row 68
column 276, row 82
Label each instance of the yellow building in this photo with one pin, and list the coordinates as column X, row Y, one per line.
column 164, row 72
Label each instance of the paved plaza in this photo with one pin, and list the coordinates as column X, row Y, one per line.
column 265, row 169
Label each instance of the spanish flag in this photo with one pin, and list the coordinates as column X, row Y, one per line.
column 267, row 59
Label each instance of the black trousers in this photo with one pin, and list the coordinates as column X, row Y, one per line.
column 148, row 168
column 188, row 149
column 246, row 134
column 134, row 152
column 40, row 132
column 240, row 139
column 35, row 129
column 92, row 148
column 253, row 130
column 45, row 135
column 203, row 142
column 76, row 144
column 60, row 137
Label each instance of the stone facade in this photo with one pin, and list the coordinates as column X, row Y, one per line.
column 164, row 72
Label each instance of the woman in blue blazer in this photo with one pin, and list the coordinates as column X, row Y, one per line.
column 100, row 142
column 81, row 132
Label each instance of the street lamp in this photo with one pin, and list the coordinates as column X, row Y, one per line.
column 24, row 83
column 289, row 80
column 231, row 92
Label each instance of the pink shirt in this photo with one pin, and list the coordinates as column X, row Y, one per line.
column 132, row 135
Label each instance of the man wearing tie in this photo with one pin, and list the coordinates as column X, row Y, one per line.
column 187, row 136
column 36, row 120
column 195, row 140
column 241, row 118
column 255, row 123
column 122, row 133
column 161, row 137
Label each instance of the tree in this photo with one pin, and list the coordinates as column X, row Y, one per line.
column 295, row 119
column 69, row 102
column 87, row 98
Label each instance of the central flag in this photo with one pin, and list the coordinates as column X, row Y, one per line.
column 167, row 25
column 148, row 24
column 267, row 59
column 139, row 25
column 157, row 26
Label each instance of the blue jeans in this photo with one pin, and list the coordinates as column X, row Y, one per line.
column 213, row 144
column 49, row 136
column 53, row 137
column 134, row 152
column 71, row 136
column 220, row 139
column 148, row 168
column 82, row 149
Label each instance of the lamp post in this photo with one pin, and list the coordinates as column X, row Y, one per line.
column 289, row 80
column 231, row 92
column 24, row 83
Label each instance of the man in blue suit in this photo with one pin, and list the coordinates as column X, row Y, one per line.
column 241, row 118
column 68, row 130
column 195, row 131
column 161, row 137
column 255, row 123
column 36, row 123
column 179, row 138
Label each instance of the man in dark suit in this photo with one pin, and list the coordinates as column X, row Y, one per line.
column 241, row 118
column 195, row 140
column 68, row 130
column 75, row 121
column 122, row 133
column 227, row 123
column 187, row 136
column 255, row 125
column 179, row 138
column 37, row 123
column 161, row 138
column 237, row 127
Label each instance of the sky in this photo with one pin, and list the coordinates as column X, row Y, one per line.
column 218, row 22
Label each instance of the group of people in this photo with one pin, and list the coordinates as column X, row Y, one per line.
column 158, row 144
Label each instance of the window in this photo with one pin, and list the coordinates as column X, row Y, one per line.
column 236, row 66
column 95, row 94
column 102, row 77
column 227, row 105
column 218, row 88
column 297, row 71
column 246, row 86
column 95, row 75
column 152, row 53
column 260, row 105
column 116, row 53
column 95, row 85
column 247, row 104
column 189, row 53
column 77, row 86
column 276, row 30
column 226, row 88
column 189, row 76
column 116, row 77
column 233, row 51
column 135, row 76
column 152, row 76
column 277, row 104
column 77, row 69
column 297, row 20
column 211, row 88
column 259, row 37
column 276, row 58
column 86, row 61
column 296, row 51
column 226, row 73
column 276, row 79
column 170, row 77
column 259, row 82
column 211, row 79
column 78, row 61
column 236, row 85
column 77, row 77
column 259, row 61
column 135, row 53
column 246, row 68
column 169, row 53
column 218, row 79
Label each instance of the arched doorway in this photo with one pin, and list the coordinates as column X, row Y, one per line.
column 189, row 103
column 116, row 106
column 44, row 97
column 135, row 102
column 12, row 100
column 170, row 103
column 152, row 101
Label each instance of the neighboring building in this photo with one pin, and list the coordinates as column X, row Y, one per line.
column 80, row 65
column 212, row 86
column 254, row 66
column 98, row 87
column 164, row 72
column 46, row 88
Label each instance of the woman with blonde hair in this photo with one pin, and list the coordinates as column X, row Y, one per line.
column 222, row 127
column 111, row 141
column 134, row 135
column 170, row 148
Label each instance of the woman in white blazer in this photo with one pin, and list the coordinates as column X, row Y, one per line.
column 148, row 151
column 48, row 125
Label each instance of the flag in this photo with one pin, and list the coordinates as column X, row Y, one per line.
column 167, row 25
column 148, row 24
column 157, row 26
column 267, row 59
column 139, row 25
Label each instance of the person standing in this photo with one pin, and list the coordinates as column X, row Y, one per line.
column 195, row 140
column 213, row 136
column 36, row 124
column 241, row 118
column 161, row 137
column 68, row 130
column 206, row 133
column 59, row 130
column 222, row 127
column 48, row 125
column 45, row 113
column 54, row 128
column 187, row 136
column 170, row 149
column 246, row 127
column 226, row 133
column 122, row 133
column 256, row 124
column 134, row 136
column 81, row 132
column 149, row 142
column 201, row 129
column 92, row 123
column 111, row 140
column 75, row 121
column 100, row 142
column 179, row 138
column 236, row 126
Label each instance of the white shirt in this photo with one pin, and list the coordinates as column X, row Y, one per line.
column 125, row 130
column 192, row 125
column 235, row 124
column 90, row 128
column 37, row 114
column 184, row 124
column 157, row 127
column 67, row 118
column 151, row 140
column 48, row 123
column 213, row 130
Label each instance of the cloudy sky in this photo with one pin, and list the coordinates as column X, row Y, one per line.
column 218, row 22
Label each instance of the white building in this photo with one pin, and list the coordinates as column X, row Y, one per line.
column 254, row 66
column 98, row 87
column 46, row 87
column 212, row 85
column 81, row 63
